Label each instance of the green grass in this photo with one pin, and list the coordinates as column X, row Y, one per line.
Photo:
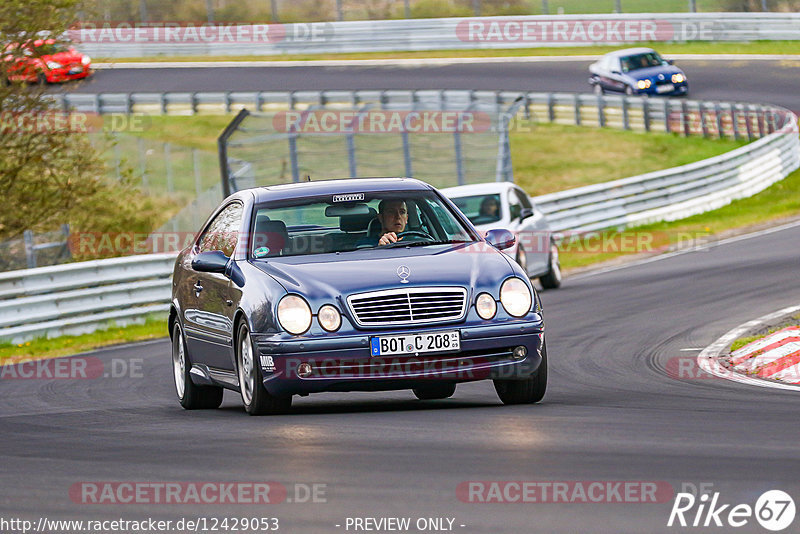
column 154, row 327
column 779, row 201
column 553, row 157
column 666, row 49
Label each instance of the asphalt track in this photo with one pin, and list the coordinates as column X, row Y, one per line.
column 616, row 410
column 761, row 81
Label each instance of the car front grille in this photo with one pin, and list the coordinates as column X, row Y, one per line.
column 408, row 306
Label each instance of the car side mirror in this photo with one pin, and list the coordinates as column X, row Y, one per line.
column 210, row 262
column 525, row 213
column 500, row 239
column 671, row 61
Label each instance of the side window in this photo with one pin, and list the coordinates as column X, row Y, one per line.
column 523, row 198
column 514, row 205
column 222, row 233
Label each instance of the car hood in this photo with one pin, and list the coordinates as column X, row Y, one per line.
column 65, row 58
column 328, row 276
column 652, row 72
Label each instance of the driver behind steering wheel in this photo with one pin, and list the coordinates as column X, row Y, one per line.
column 393, row 216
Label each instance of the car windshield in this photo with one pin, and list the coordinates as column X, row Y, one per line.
column 49, row 48
column 342, row 223
column 480, row 209
column 641, row 61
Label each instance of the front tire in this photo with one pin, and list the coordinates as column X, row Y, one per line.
column 629, row 90
column 527, row 391
column 190, row 395
column 256, row 399
column 435, row 391
column 552, row 280
column 598, row 89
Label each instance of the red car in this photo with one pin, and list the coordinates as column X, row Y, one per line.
column 46, row 61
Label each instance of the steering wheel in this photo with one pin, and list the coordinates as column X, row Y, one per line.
column 419, row 234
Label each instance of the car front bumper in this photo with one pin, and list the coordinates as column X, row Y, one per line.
column 344, row 363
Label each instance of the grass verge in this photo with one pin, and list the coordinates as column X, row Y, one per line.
column 777, row 202
column 695, row 47
column 154, row 327
column 746, row 340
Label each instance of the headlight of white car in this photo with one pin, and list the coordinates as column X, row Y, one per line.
column 294, row 314
column 516, row 297
column 329, row 318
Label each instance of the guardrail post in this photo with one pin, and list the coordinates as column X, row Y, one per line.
column 626, row 120
column 259, row 100
column 551, row 111
column 292, row 100
column 98, row 104
column 718, row 120
column 407, row 155
column 761, row 120
column 735, row 123
column 163, row 102
column 30, row 251
column 293, row 156
column 323, row 100
column 667, row 126
column 577, row 110
column 459, row 162
column 645, row 114
column 129, row 103
column 193, row 103
column 703, row 124
column 601, row 115
column 749, row 123
column 687, row 127
column 227, row 100
column 351, row 153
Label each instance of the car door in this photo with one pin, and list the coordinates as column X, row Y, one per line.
column 208, row 316
column 534, row 236
column 615, row 79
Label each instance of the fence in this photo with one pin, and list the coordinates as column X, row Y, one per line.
column 81, row 297
column 317, row 10
column 122, row 40
column 35, row 249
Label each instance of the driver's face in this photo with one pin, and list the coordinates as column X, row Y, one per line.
column 394, row 216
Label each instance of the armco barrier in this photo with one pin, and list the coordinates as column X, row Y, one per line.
column 122, row 40
column 76, row 298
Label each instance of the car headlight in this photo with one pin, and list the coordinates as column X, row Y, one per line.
column 85, row 60
column 485, row 306
column 643, row 84
column 53, row 65
column 294, row 314
column 329, row 318
column 678, row 78
column 516, row 297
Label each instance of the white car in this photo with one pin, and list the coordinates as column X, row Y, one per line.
column 505, row 205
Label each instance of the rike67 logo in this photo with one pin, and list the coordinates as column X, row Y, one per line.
column 774, row 510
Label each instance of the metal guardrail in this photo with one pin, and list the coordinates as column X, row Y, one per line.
column 123, row 40
column 76, row 298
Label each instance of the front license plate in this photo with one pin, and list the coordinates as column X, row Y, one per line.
column 415, row 343
column 668, row 88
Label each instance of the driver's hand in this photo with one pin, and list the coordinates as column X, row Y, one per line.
column 388, row 237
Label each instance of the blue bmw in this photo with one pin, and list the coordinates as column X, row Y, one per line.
column 350, row 285
column 637, row 71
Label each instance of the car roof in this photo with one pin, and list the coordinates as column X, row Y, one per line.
column 629, row 52
column 336, row 187
column 477, row 189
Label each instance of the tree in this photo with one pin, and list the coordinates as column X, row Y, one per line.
column 50, row 173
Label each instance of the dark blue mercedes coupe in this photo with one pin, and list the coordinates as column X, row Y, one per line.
column 350, row 285
column 637, row 71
